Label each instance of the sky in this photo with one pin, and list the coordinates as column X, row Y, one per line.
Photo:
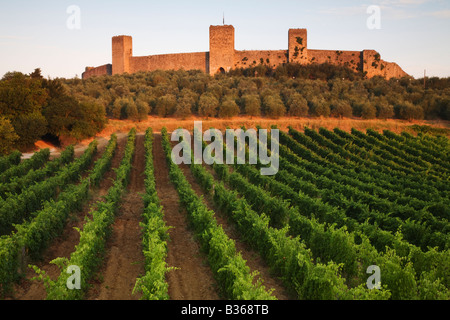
column 63, row 37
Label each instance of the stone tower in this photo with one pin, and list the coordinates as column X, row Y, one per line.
column 371, row 63
column 122, row 51
column 221, row 48
column 298, row 46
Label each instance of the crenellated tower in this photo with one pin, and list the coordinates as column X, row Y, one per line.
column 221, row 48
column 122, row 51
column 298, row 46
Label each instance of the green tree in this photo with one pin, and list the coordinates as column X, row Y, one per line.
column 8, row 137
column 274, row 106
column 61, row 113
column 130, row 110
column 341, row 108
column 319, row 107
column 93, row 117
column 298, row 105
column 68, row 118
column 115, row 109
column 252, row 105
column 166, row 105
column 208, row 105
column 143, row 108
column 216, row 89
column 30, row 127
column 443, row 107
column 190, row 99
column 247, row 86
column 368, row 111
column 384, row 110
column 21, row 101
column 409, row 111
column 19, row 95
column 228, row 108
column 183, row 108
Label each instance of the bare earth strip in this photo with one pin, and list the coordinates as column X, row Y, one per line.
column 124, row 261
column 64, row 245
column 194, row 280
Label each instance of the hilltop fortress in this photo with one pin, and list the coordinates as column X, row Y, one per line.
column 222, row 57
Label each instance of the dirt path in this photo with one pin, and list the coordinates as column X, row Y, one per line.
column 124, row 261
column 65, row 244
column 194, row 280
column 254, row 260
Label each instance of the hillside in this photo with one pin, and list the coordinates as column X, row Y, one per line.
column 70, row 110
column 141, row 227
column 288, row 90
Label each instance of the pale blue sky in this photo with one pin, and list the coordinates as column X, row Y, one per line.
column 414, row 33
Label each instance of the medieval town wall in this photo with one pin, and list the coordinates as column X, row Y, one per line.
column 98, row 71
column 186, row 61
column 222, row 57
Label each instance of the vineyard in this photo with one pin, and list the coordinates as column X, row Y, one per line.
column 139, row 226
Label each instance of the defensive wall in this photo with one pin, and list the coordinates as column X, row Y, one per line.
column 222, row 57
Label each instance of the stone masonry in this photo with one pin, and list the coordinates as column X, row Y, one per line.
column 222, row 57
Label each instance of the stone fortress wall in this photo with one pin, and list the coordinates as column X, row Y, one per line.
column 222, row 57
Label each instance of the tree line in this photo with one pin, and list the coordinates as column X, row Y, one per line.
column 32, row 107
column 288, row 90
column 72, row 109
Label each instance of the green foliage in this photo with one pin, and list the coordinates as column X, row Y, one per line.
column 8, row 136
column 399, row 277
column 18, row 207
column 36, row 106
column 69, row 118
column 384, row 110
column 29, row 127
column 15, row 172
column 230, row 270
column 130, row 111
column 408, row 262
column 31, row 171
column 143, row 109
column 273, row 106
column 46, row 224
column 186, row 103
column 368, row 111
column 124, row 108
column 298, row 105
column 408, row 111
column 339, row 203
column 183, row 108
column 174, row 93
column 96, row 230
column 341, row 108
column 7, row 162
column 319, row 107
column 166, row 105
column 208, row 105
column 285, row 254
column 252, row 105
column 228, row 108
column 21, row 95
column 153, row 284
column 424, row 129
